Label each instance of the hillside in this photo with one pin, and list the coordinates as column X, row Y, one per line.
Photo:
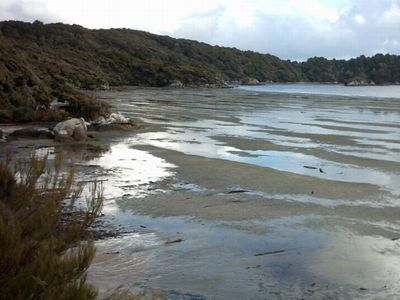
column 379, row 69
column 40, row 63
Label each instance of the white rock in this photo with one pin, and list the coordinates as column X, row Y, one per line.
column 55, row 104
column 176, row 83
column 117, row 118
column 71, row 129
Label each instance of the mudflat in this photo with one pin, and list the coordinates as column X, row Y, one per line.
column 239, row 194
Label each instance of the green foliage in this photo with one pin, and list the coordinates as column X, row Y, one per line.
column 380, row 69
column 91, row 58
column 40, row 62
column 41, row 252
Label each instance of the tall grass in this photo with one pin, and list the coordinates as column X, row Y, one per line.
column 42, row 255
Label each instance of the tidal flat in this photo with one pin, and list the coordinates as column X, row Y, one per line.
column 240, row 194
column 273, row 195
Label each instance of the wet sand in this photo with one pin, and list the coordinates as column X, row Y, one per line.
column 272, row 196
column 239, row 185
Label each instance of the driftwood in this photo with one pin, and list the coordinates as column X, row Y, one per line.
column 236, row 191
column 314, row 168
column 269, row 253
column 174, row 241
column 310, row 167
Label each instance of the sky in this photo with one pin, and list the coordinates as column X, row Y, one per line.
column 289, row 29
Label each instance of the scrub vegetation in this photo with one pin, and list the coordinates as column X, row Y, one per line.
column 42, row 253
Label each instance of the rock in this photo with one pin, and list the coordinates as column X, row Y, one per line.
column 73, row 129
column 250, row 81
column 55, row 104
column 176, row 83
column 359, row 82
column 117, row 118
column 1, row 134
column 27, row 133
column 114, row 118
column 115, row 121
column 105, row 86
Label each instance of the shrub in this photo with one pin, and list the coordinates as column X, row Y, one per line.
column 42, row 255
column 88, row 107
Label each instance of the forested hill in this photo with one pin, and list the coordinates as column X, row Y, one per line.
column 41, row 62
column 379, row 69
column 87, row 58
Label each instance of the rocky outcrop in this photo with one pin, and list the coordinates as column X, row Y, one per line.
column 30, row 133
column 114, row 121
column 250, row 81
column 359, row 82
column 71, row 130
column 116, row 118
column 176, row 83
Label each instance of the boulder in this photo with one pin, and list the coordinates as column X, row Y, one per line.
column 55, row 104
column 115, row 121
column 28, row 133
column 176, row 83
column 250, row 81
column 114, row 118
column 73, row 129
column 117, row 118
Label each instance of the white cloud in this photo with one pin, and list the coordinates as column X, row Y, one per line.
column 294, row 29
column 26, row 10
column 359, row 19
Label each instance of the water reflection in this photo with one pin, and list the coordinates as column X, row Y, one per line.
column 332, row 248
column 126, row 171
column 200, row 143
column 392, row 91
column 369, row 262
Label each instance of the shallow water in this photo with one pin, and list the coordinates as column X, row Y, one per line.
column 340, row 127
column 319, row 180
column 387, row 91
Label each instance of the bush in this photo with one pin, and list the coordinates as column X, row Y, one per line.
column 81, row 103
column 23, row 114
column 42, row 255
column 88, row 107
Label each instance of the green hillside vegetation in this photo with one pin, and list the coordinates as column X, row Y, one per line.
column 40, row 63
column 379, row 69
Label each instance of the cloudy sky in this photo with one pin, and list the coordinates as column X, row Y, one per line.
column 290, row 29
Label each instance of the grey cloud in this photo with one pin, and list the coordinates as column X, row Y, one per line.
column 204, row 25
column 25, row 11
column 294, row 37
